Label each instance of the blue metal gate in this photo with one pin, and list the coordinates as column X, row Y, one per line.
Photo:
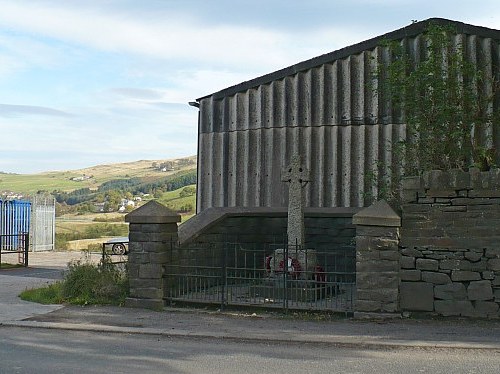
column 15, row 216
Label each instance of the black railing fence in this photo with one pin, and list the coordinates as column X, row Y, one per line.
column 257, row 275
column 14, row 249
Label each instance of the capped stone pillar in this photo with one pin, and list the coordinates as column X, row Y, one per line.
column 152, row 233
column 377, row 259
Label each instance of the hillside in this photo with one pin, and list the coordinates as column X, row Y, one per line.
column 93, row 177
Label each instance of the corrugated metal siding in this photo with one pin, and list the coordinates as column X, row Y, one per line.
column 329, row 112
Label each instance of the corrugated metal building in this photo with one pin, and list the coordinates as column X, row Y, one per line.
column 324, row 108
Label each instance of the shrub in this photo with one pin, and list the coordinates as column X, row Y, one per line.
column 87, row 283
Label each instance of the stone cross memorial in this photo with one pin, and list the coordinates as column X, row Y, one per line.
column 297, row 176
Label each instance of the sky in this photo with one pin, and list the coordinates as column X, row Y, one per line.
column 92, row 82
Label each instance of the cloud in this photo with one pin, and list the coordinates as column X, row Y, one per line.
column 176, row 36
column 137, row 93
column 7, row 110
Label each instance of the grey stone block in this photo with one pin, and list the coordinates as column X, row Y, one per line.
column 489, row 275
column 496, row 293
column 135, row 247
column 427, row 264
column 383, row 295
column 459, row 180
column 138, row 258
column 159, row 258
column 148, row 283
column 410, row 275
column 409, row 196
column 455, row 265
column 460, row 276
column 480, row 290
column 146, row 293
column 363, row 255
column 417, row 296
column 479, row 265
column 452, row 291
column 133, row 270
column 411, row 252
column 412, row 183
column 377, row 266
column 368, row 306
column 389, row 255
column 496, row 281
column 454, row 307
column 494, row 264
column 149, row 271
column 407, row 262
column 377, row 280
column 154, row 304
column 379, row 232
column 492, row 253
column 473, row 256
column 435, row 278
column 486, row 308
column 390, row 307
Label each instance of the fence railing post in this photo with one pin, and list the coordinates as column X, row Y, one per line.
column 26, row 248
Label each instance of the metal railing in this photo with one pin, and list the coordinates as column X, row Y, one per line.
column 115, row 252
column 14, row 249
column 269, row 276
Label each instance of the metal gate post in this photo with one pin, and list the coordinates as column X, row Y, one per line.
column 26, row 248
column 224, row 276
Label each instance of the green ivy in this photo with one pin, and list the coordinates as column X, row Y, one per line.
column 445, row 99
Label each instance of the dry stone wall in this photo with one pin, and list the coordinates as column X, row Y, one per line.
column 450, row 244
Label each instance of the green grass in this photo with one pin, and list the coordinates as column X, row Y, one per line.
column 51, row 294
column 5, row 265
column 172, row 199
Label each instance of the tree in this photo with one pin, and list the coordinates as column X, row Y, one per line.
column 187, row 191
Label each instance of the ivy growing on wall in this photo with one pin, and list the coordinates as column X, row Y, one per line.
column 447, row 102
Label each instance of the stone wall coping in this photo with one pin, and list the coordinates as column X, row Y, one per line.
column 378, row 214
column 454, row 179
column 153, row 212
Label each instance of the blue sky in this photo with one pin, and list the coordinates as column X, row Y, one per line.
column 102, row 81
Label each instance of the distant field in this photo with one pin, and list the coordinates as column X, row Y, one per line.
column 60, row 180
column 172, row 199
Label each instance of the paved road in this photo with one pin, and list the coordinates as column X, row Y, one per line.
column 42, row 351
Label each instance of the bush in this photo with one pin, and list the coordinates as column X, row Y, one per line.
column 86, row 283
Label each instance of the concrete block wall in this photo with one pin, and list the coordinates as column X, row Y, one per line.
column 450, row 244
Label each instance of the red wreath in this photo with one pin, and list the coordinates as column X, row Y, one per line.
column 267, row 264
column 319, row 274
column 295, row 265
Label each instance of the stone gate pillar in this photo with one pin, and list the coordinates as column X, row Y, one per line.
column 152, row 232
column 377, row 259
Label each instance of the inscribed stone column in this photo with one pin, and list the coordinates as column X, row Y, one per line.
column 152, row 232
column 297, row 176
column 377, row 259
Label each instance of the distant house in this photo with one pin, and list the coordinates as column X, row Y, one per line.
column 81, row 178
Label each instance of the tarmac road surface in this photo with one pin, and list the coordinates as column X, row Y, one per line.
column 43, row 351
